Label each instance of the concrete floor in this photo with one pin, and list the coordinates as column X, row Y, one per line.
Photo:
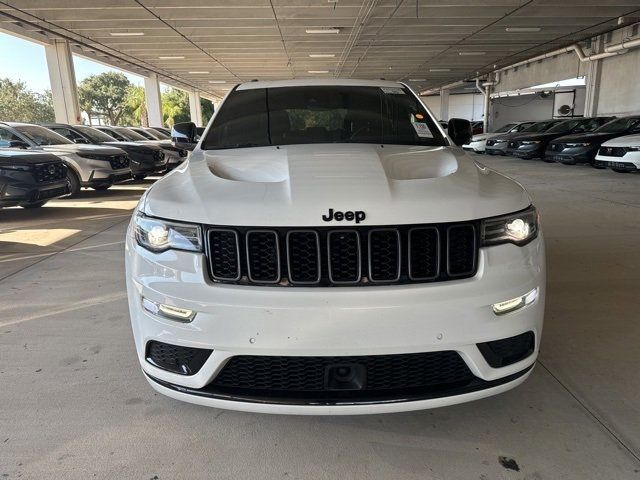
column 73, row 403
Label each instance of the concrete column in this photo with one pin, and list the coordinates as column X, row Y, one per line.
column 444, row 104
column 195, row 109
column 487, row 108
column 153, row 100
column 63, row 82
column 593, row 77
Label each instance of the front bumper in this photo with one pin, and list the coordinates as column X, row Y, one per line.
column 477, row 146
column 345, row 321
column 629, row 162
column 21, row 193
column 526, row 152
column 107, row 177
column 570, row 156
column 496, row 149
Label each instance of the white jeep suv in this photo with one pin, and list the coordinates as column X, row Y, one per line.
column 327, row 249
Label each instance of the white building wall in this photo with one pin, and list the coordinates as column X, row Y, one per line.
column 464, row 105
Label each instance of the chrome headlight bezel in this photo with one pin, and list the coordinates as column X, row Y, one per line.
column 158, row 235
column 519, row 228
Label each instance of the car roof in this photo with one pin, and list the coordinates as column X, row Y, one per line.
column 318, row 82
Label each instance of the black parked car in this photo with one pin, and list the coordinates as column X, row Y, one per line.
column 583, row 147
column 498, row 145
column 146, row 159
column 533, row 145
column 30, row 179
column 175, row 156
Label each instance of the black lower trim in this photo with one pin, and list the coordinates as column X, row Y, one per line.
column 476, row 385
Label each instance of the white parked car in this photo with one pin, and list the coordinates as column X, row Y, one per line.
column 478, row 143
column 327, row 249
column 621, row 154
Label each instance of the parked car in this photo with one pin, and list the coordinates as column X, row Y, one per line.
column 498, row 145
column 145, row 159
column 166, row 131
column 533, row 145
column 420, row 275
column 150, row 133
column 30, row 179
column 582, row 147
column 478, row 142
column 95, row 166
column 621, row 154
column 175, row 156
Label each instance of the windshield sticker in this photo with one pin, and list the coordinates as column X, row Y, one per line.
column 393, row 90
column 422, row 130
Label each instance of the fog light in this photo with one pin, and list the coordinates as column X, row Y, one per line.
column 514, row 304
column 168, row 311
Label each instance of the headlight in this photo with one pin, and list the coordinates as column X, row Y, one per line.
column 160, row 235
column 574, row 145
column 530, row 142
column 518, row 228
column 20, row 168
column 635, row 148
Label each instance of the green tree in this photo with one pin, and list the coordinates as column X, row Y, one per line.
column 207, row 110
column 19, row 104
column 105, row 94
column 136, row 107
column 175, row 106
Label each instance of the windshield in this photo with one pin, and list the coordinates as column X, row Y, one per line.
column 129, row 135
column 324, row 114
column 143, row 133
column 42, row 136
column 96, row 136
column 539, row 127
column 158, row 134
column 565, row 126
column 619, row 125
column 505, row 128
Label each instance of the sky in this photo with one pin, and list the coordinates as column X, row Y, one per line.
column 25, row 61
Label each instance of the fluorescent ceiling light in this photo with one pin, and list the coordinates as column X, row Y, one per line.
column 217, row 81
column 417, row 79
column 201, row 71
column 322, row 55
column 523, row 29
column 126, row 34
column 439, row 69
column 177, row 57
column 318, row 71
column 322, row 30
column 468, row 54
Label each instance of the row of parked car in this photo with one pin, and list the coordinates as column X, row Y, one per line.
column 603, row 142
column 41, row 162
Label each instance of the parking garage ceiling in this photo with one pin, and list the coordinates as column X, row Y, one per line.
column 211, row 45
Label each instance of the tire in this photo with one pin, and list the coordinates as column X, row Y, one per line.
column 35, row 204
column 139, row 177
column 102, row 188
column 74, row 183
column 620, row 170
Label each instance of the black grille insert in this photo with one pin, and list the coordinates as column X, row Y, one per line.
column 119, row 161
column 50, row 172
column 176, row 358
column 225, row 254
column 384, row 374
column 506, row 351
column 323, row 256
column 263, row 256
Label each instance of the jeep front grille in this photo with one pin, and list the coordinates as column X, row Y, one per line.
column 341, row 257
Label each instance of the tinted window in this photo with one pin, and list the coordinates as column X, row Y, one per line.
column 41, row 136
column 96, row 136
column 7, row 135
column 129, row 134
column 563, row 127
column 142, row 133
column 65, row 132
column 308, row 115
column 539, row 127
column 620, row 125
column 505, row 128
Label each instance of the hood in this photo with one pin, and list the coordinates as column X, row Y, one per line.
column 296, row 185
column 538, row 136
column 586, row 137
column 133, row 146
column 82, row 148
column 626, row 141
column 485, row 136
column 26, row 157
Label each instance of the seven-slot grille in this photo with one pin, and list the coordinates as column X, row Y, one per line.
column 342, row 257
column 50, row 172
column 119, row 161
column 613, row 151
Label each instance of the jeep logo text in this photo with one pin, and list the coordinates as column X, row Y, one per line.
column 349, row 216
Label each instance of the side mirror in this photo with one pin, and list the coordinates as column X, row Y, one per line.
column 459, row 131
column 13, row 144
column 184, row 135
column 80, row 140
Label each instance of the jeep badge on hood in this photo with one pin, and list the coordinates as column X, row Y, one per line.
column 349, row 216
